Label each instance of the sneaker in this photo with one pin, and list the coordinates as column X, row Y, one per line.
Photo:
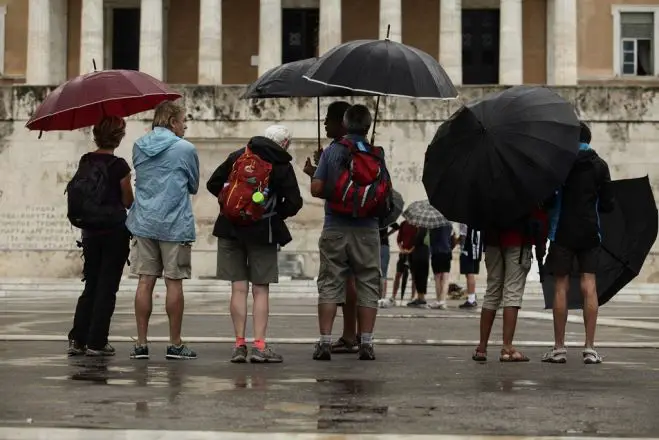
column 180, row 352
column 108, row 350
column 469, row 305
column 322, row 352
column 438, row 306
column 590, row 356
column 75, row 349
column 265, row 356
column 366, row 352
column 555, row 356
column 239, row 354
column 341, row 345
column 140, row 352
column 421, row 303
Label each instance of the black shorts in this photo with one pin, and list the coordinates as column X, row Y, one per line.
column 441, row 263
column 561, row 260
column 402, row 263
column 469, row 266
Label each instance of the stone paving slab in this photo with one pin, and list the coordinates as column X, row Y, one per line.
column 407, row 390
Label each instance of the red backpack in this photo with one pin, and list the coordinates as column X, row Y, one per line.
column 363, row 188
column 250, row 174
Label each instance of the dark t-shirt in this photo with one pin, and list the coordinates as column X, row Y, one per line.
column 116, row 172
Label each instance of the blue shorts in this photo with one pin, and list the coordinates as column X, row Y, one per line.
column 384, row 260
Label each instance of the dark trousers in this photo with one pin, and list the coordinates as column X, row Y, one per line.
column 105, row 256
column 420, row 268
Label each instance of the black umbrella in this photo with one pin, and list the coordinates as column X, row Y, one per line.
column 494, row 159
column 628, row 234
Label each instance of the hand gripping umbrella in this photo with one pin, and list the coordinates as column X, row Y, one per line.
column 86, row 99
column 496, row 158
column 628, row 234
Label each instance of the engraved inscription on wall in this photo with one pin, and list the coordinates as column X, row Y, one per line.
column 39, row 227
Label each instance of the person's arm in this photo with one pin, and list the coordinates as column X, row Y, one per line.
column 127, row 197
column 322, row 173
column 289, row 199
column 606, row 197
column 191, row 167
column 220, row 176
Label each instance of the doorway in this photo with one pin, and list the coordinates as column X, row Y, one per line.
column 126, row 38
column 480, row 46
column 299, row 34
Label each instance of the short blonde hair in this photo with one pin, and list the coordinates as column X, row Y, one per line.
column 109, row 132
column 165, row 111
column 280, row 134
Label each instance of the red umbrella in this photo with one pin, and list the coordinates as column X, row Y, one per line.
column 84, row 100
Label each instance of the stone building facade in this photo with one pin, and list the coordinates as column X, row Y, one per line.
column 558, row 42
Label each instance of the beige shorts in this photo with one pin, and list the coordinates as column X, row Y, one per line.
column 506, row 276
column 155, row 258
column 237, row 261
column 346, row 252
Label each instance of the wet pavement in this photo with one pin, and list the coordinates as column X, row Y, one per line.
column 428, row 388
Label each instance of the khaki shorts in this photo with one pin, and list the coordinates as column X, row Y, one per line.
column 155, row 258
column 346, row 252
column 506, row 277
column 237, row 261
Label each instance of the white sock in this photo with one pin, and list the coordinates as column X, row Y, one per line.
column 471, row 298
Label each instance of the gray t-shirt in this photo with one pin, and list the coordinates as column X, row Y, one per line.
column 329, row 168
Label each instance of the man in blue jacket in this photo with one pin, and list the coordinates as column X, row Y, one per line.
column 162, row 223
column 574, row 234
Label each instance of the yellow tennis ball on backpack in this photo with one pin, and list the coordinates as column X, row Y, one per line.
column 258, row 197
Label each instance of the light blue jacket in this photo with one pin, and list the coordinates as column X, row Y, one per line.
column 166, row 173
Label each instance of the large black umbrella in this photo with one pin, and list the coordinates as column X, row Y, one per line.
column 494, row 159
column 628, row 234
column 383, row 67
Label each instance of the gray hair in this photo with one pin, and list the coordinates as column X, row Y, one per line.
column 279, row 134
column 357, row 119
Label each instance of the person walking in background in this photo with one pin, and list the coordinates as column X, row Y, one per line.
column 575, row 235
column 251, row 227
column 420, row 267
column 350, row 243
column 105, row 239
column 471, row 252
column 441, row 248
column 350, row 338
column 385, row 255
column 162, row 223
column 405, row 240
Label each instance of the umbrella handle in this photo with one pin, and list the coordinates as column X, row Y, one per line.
column 318, row 121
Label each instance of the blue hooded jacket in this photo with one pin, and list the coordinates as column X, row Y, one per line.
column 166, row 174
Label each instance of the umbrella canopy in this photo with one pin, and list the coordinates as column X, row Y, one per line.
column 382, row 67
column 85, row 100
column 422, row 215
column 286, row 81
column 628, row 234
column 494, row 159
column 398, row 203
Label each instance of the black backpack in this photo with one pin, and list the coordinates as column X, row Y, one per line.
column 87, row 197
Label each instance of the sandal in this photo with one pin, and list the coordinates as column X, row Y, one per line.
column 343, row 346
column 479, row 356
column 512, row 355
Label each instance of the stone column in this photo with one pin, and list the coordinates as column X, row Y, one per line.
column 91, row 36
column 562, row 67
column 329, row 32
column 511, row 67
column 391, row 14
column 151, row 38
column 450, row 39
column 210, row 42
column 46, row 45
column 270, row 35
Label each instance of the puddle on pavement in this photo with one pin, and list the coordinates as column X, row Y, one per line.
column 509, row 385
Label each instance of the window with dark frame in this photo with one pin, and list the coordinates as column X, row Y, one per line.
column 637, row 43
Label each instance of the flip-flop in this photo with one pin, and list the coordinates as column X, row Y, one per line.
column 509, row 356
column 479, row 356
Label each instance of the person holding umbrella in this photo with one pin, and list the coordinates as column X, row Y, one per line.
column 575, row 234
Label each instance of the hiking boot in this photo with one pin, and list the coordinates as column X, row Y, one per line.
column 239, row 354
column 140, row 352
column 265, row 356
column 469, row 305
column 366, row 352
column 180, row 352
column 555, row 356
column 75, row 349
column 322, row 352
column 420, row 303
column 590, row 356
column 108, row 350
column 343, row 346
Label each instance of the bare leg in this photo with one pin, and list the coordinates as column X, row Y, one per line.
column 174, row 305
column 560, row 309
column 238, row 307
column 144, row 306
column 471, row 283
column 590, row 307
column 396, row 284
column 261, row 310
column 326, row 315
column 509, row 325
column 367, row 317
column 487, row 321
